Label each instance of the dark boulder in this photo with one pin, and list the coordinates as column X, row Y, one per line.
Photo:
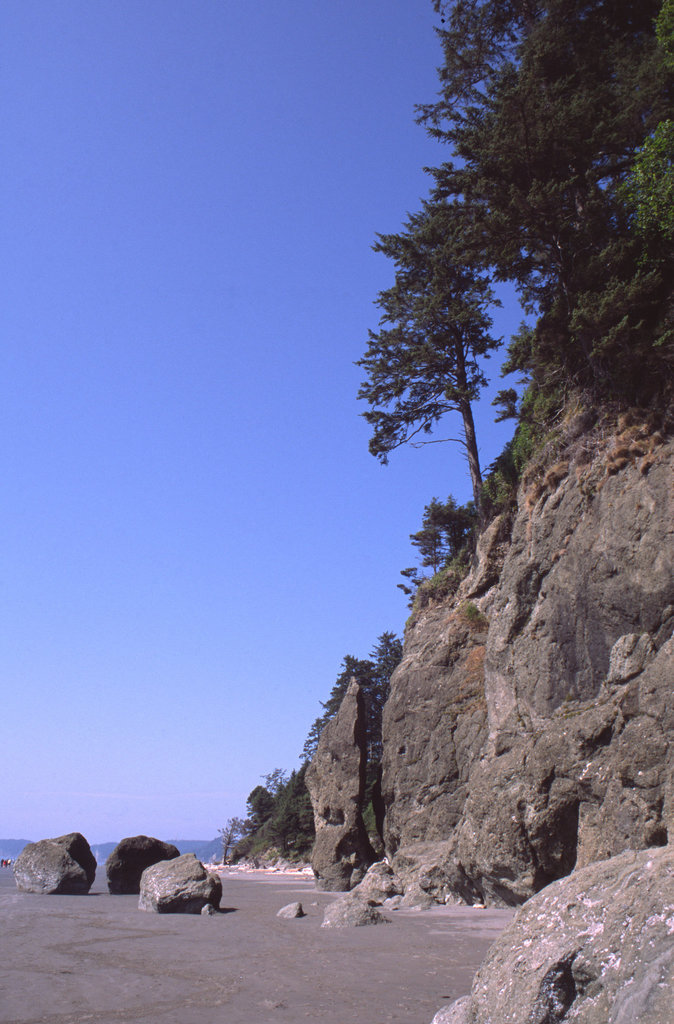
column 179, row 886
column 130, row 857
column 64, row 865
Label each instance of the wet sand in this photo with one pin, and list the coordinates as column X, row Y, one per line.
column 97, row 958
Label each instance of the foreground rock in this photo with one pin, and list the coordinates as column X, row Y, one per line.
column 350, row 912
column 130, row 857
column 594, row 948
column 64, row 865
column 336, row 783
column 179, row 886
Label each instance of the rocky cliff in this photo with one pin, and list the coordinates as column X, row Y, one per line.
column 336, row 783
column 530, row 726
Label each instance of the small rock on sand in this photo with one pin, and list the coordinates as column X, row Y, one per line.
column 348, row 912
column 292, row 910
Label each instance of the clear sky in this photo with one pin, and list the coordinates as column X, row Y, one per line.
column 194, row 533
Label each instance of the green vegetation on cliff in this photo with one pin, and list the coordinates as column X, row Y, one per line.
column 559, row 180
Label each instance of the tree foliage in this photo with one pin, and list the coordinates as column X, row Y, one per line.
column 280, row 815
column 374, row 676
column 426, row 360
column 230, row 833
column 446, row 537
column 545, row 105
column 649, row 189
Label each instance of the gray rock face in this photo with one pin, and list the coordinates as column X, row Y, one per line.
column 336, row 783
column 130, row 857
column 593, row 948
column 350, row 912
column 591, row 561
column 64, row 865
column 594, row 781
column 435, row 720
column 179, row 886
column 572, row 759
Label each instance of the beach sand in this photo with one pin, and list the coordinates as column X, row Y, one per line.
column 97, row 958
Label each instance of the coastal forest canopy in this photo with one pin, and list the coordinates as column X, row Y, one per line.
column 559, row 179
column 556, row 116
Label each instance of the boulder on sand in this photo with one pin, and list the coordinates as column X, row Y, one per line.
column 350, row 912
column 379, row 884
column 179, row 886
column 130, row 857
column 64, row 865
column 292, row 911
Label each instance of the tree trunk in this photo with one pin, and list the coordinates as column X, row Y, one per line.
column 472, row 453
column 470, row 440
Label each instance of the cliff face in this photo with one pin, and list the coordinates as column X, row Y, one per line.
column 530, row 725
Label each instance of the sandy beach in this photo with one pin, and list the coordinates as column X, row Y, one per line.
column 97, row 958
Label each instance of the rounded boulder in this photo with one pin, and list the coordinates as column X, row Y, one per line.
column 179, row 886
column 131, row 857
column 61, row 866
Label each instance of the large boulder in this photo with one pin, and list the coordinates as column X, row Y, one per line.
column 336, row 783
column 593, row 948
column 64, row 865
column 179, row 886
column 379, row 884
column 130, row 857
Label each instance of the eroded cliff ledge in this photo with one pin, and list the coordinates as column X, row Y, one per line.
column 530, row 726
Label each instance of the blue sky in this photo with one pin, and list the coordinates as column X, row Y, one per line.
column 194, row 532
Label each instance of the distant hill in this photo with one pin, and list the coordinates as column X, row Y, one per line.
column 206, row 850
column 102, row 851
column 11, row 848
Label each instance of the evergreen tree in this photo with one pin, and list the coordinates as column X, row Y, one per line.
column 446, row 535
column 385, row 656
column 426, row 360
column 649, row 190
column 291, row 826
column 230, row 833
column 545, row 106
column 373, row 674
column 260, row 807
column 351, row 668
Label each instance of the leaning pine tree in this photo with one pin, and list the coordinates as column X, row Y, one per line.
column 426, row 360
